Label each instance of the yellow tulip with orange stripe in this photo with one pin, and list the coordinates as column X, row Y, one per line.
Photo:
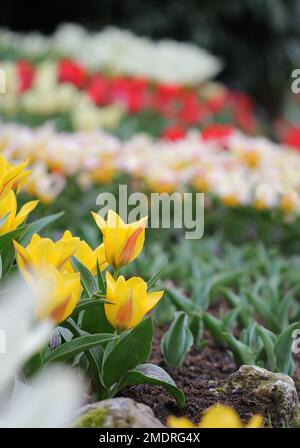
column 10, row 218
column 56, row 293
column 11, row 177
column 122, row 242
column 41, row 252
column 129, row 301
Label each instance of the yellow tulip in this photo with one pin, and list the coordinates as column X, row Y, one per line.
column 11, row 177
column 129, row 301
column 86, row 255
column 217, row 416
column 56, row 293
column 122, row 242
column 180, row 422
column 8, row 209
column 41, row 252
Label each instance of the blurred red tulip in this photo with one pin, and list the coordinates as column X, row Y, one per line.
column 72, row 72
column 291, row 137
column 174, row 133
column 217, row 132
column 26, row 74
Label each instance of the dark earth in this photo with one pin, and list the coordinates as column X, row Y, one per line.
column 202, row 371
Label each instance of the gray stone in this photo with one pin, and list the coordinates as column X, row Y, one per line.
column 273, row 390
column 117, row 413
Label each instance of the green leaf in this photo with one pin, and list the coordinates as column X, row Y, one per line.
column 181, row 302
column 264, row 312
column 83, row 304
column 8, row 237
column 153, row 280
column 87, row 278
column 177, row 341
column 283, row 348
column 216, row 329
column 233, row 300
column 241, row 352
column 70, row 349
column 219, row 280
column 94, row 319
column 155, row 376
column 37, row 226
column 101, row 284
column 196, row 327
column 3, row 220
column 268, row 348
column 130, row 351
column 8, row 256
column 164, row 312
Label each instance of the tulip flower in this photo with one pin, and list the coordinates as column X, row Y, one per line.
column 217, row 416
column 8, row 213
column 41, row 252
column 86, row 255
column 122, row 242
column 11, row 177
column 129, row 301
column 57, row 293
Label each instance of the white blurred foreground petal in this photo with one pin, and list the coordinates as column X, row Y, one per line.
column 22, row 338
column 50, row 401
column 52, row 398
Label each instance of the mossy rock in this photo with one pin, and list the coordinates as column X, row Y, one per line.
column 117, row 413
column 274, row 392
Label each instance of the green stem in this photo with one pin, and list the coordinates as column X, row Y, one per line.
column 115, row 273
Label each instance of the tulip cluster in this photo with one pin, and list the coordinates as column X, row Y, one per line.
column 12, row 177
column 118, row 51
column 46, row 265
column 66, row 287
column 227, row 165
column 97, row 100
column 129, row 300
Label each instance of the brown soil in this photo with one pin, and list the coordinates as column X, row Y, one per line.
column 202, row 372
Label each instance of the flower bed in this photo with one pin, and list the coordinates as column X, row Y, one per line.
column 236, row 169
column 204, row 332
column 80, row 99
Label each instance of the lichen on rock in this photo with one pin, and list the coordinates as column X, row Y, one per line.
column 94, row 418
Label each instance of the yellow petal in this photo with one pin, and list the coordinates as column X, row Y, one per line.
column 110, row 287
column 99, row 255
column 23, row 258
column 100, row 222
column 24, row 212
column 66, row 248
column 179, row 422
column 45, row 253
column 152, row 299
column 67, row 235
column 257, row 421
column 133, row 245
column 220, row 416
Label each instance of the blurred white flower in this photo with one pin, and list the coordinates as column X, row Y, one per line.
column 53, row 396
column 121, row 52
